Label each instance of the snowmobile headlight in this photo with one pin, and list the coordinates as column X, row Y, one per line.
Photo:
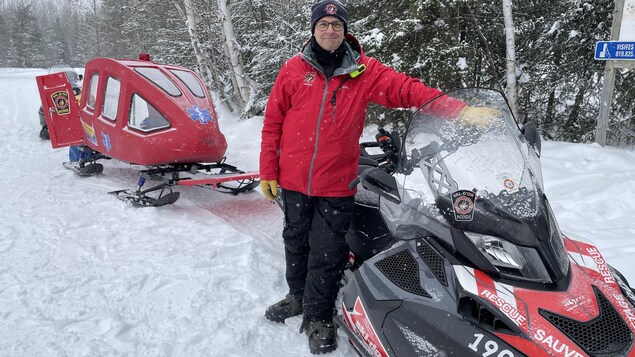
column 511, row 260
column 499, row 252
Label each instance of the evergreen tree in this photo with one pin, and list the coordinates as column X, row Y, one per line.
column 5, row 42
column 173, row 45
column 25, row 36
column 91, row 38
column 565, row 80
column 268, row 39
column 446, row 43
column 437, row 42
column 116, row 21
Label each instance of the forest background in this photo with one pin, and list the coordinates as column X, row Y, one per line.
column 238, row 47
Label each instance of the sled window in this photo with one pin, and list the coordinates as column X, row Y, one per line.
column 111, row 98
column 144, row 116
column 159, row 78
column 190, row 81
column 92, row 91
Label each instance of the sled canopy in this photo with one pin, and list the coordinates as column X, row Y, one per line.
column 135, row 111
column 147, row 114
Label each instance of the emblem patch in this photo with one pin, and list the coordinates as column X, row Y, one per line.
column 60, row 100
column 463, row 205
column 197, row 113
column 105, row 139
column 309, row 78
column 508, row 183
column 90, row 133
column 331, row 9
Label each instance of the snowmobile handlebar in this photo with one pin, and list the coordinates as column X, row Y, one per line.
column 389, row 144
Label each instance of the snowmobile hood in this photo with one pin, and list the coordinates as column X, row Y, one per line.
column 480, row 187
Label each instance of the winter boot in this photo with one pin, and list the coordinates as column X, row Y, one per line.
column 44, row 133
column 322, row 336
column 288, row 307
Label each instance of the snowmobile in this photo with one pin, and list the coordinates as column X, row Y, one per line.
column 455, row 250
column 75, row 81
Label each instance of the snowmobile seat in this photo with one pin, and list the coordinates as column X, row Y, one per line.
column 367, row 198
column 366, row 214
column 364, row 196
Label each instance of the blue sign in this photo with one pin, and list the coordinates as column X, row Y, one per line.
column 614, row 50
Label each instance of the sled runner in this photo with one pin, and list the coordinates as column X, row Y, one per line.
column 159, row 117
column 227, row 179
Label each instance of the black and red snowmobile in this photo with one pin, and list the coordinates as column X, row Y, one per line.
column 455, row 250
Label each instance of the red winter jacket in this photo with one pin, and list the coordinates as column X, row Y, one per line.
column 310, row 137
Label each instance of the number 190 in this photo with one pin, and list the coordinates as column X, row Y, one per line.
column 490, row 346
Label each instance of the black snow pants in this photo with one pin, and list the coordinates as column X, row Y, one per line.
column 315, row 250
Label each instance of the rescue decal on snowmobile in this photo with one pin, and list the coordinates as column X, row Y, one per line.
column 599, row 270
column 455, row 250
column 500, row 295
column 511, row 301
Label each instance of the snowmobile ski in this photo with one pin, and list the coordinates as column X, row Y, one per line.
column 83, row 169
column 140, row 198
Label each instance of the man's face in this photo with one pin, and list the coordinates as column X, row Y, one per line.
column 329, row 39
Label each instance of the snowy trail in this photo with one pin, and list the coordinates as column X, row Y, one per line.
column 592, row 192
column 83, row 274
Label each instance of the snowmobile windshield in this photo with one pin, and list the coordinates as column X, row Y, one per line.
column 71, row 74
column 476, row 183
column 64, row 68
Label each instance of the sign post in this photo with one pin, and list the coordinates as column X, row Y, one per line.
column 618, row 53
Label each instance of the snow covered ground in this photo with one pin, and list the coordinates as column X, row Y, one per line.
column 83, row 274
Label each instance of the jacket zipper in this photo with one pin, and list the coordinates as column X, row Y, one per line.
column 319, row 122
column 317, row 134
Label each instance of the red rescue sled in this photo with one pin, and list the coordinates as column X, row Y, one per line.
column 143, row 113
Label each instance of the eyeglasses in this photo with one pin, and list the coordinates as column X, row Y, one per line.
column 323, row 26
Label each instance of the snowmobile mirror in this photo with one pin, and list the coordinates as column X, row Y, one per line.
column 380, row 182
column 530, row 132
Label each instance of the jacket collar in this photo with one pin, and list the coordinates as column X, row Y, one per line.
column 349, row 62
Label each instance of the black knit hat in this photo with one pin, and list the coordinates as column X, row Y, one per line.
column 323, row 8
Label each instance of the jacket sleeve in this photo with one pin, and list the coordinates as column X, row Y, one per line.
column 396, row 90
column 277, row 106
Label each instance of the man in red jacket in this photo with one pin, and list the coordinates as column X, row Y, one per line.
column 310, row 148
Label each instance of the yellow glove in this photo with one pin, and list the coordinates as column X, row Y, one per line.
column 269, row 189
column 480, row 117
